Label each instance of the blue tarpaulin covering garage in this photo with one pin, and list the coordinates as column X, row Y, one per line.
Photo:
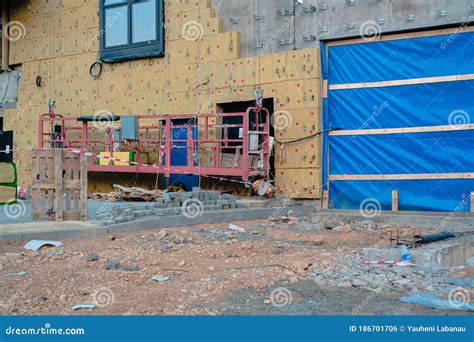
column 403, row 107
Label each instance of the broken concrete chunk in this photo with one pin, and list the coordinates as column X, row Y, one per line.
column 130, row 268
column 92, row 257
column 17, row 274
column 163, row 246
column 236, row 228
column 160, row 279
column 35, row 245
column 84, row 307
column 112, row 265
column 318, row 240
column 359, row 283
column 115, row 265
column 342, row 229
column 162, row 234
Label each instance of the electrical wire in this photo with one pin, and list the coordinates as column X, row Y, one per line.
column 307, row 137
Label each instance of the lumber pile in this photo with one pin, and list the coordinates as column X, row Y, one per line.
column 129, row 194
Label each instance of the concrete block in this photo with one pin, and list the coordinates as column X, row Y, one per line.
column 143, row 213
column 212, row 207
column 160, row 212
column 105, row 223
column 173, row 195
column 120, row 219
column 166, row 197
column 186, row 195
column 117, row 211
column 128, row 212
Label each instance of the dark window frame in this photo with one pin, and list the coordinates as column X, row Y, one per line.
column 130, row 51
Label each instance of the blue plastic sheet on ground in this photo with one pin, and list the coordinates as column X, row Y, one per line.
column 432, row 301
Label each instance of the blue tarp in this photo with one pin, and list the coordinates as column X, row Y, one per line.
column 406, row 106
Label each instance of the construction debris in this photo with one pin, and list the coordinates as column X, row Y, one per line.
column 115, row 265
column 236, row 228
column 92, row 257
column 129, row 194
column 160, row 279
column 263, row 188
column 84, row 307
column 17, row 274
column 189, row 204
column 35, row 245
column 432, row 301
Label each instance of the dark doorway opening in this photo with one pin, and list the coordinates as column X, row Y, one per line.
column 240, row 107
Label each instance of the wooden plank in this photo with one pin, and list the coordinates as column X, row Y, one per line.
column 83, row 187
column 325, row 89
column 396, row 83
column 68, row 200
column 58, row 181
column 325, row 200
column 72, row 216
column 410, row 35
column 414, row 176
column 394, row 200
column 423, row 129
column 73, row 184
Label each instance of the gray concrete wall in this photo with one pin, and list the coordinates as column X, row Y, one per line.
column 260, row 23
column 9, row 81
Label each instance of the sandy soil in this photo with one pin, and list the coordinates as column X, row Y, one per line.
column 212, row 271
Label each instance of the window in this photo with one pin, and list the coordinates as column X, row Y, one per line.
column 131, row 29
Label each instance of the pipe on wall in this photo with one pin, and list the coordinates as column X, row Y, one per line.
column 5, row 41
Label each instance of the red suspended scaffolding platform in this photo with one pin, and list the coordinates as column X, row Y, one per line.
column 223, row 144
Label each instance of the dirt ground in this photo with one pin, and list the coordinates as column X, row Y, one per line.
column 212, row 270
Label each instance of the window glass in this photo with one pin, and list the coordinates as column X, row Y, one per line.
column 116, row 26
column 144, row 21
column 113, row 2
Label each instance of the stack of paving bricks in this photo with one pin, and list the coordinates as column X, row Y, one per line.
column 8, row 185
column 171, row 204
column 195, row 75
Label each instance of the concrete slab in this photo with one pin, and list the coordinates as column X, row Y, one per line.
column 75, row 230
column 446, row 253
column 455, row 222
